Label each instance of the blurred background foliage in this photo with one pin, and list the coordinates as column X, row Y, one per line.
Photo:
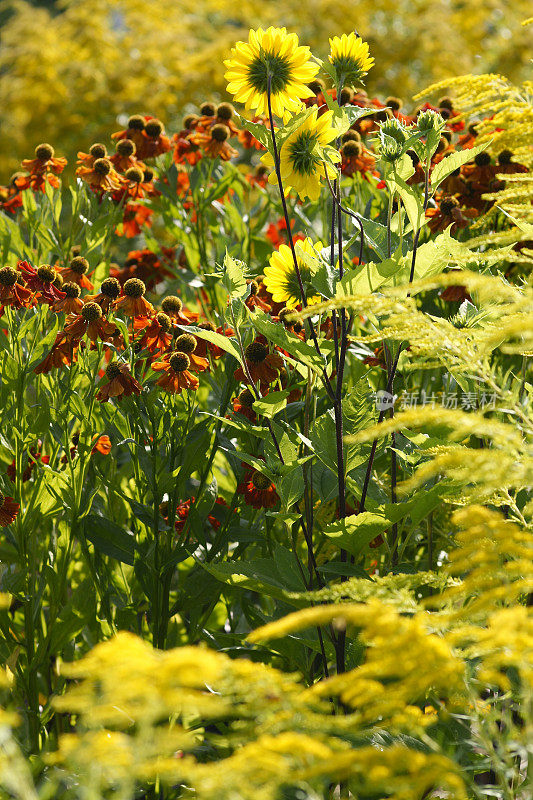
column 70, row 71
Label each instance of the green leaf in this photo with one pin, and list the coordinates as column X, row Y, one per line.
column 355, row 532
column 272, row 403
column 257, row 129
column 290, row 486
column 276, row 333
column 234, row 279
column 452, row 162
column 224, row 342
column 109, row 538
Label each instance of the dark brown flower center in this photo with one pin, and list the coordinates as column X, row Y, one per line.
column 126, row 147
column 208, row 109
column 171, row 305
column 8, row 276
column 179, row 362
column 134, row 288
column 261, row 481
column 153, row 128
column 44, row 152
column 246, row 398
column 102, row 166
column 256, row 352
column 91, row 312
column 186, row 343
column 225, row 111
column 135, row 175
column 136, row 123
column 79, row 265
column 72, row 289
column 164, row 321
column 112, row 370
column 219, row 132
column 482, row 159
column 98, row 150
column 46, row 273
column 110, row 288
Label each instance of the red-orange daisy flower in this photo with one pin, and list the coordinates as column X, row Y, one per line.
column 71, row 303
column 42, row 281
column 121, row 383
column 44, row 167
column 95, row 151
column 101, row 176
column 134, row 217
column 75, row 272
column 8, row 510
column 125, row 156
column 132, row 303
column 109, row 291
column 13, row 293
column 243, row 404
column 64, row 351
column 214, row 142
column 187, row 343
column 262, row 367
column 258, row 490
column 176, row 375
column 173, row 306
column 90, row 322
column 157, row 336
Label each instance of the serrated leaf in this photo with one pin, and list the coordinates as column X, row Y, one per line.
column 272, row 403
column 452, row 162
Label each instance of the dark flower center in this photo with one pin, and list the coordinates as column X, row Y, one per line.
column 186, row 343
column 102, row 166
column 219, row 132
column 136, row 123
column 256, row 352
column 172, row 305
column 98, row 150
column 261, row 481
column 179, row 362
column 134, row 288
column 164, row 322
column 91, row 312
column 72, row 289
column 46, row 273
column 8, row 276
column 110, row 288
column 125, row 147
column 44, row 152
column 79, row 265
column 112, row 370
column 153, row 128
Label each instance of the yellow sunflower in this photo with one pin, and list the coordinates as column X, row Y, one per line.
column 276, row 53
column 280, row 276
column 303, row 154
column 350, row 57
